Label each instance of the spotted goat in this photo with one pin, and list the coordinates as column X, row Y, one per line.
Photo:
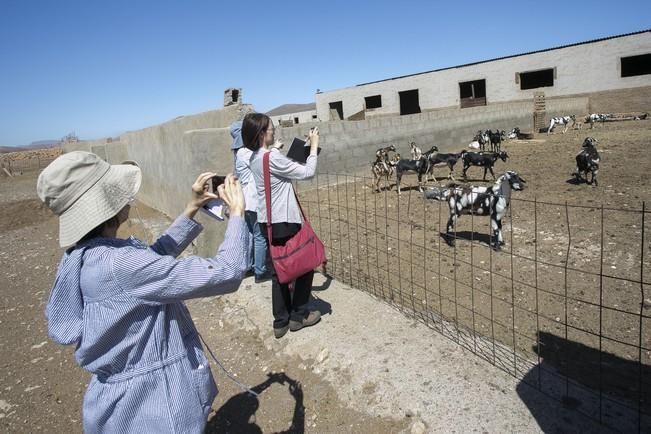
column 382, row 167
column 562, row 120
column 490, row 201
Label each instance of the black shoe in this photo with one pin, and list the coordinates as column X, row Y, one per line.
column 259, row 278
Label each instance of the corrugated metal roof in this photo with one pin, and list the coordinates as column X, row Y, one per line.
column 508, row 57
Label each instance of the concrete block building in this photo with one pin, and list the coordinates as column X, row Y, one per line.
column 614, row 73
column 292, row 114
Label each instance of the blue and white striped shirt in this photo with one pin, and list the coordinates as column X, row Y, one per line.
column 121, row 303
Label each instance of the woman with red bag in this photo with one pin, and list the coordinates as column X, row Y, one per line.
column 290, row 308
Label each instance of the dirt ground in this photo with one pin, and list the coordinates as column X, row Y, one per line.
column 41, row 387
column 574, row 266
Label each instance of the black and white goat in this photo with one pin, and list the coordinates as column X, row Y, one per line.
column 597, row 117
column 562, row 120
column 384, row 152
column 482, row 159
column 587, row 161
column 492, row 201
column 420, row 166
column 383, row 169
column 481, row 139
column 450, row 160
column 514, row 134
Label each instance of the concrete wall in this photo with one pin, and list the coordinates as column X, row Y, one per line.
column 171, row 156
column 582, row 69
column 349, row 146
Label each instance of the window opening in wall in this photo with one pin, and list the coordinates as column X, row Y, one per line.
column 336, row 111
column 295, row 120
column 409, row 102
column 313, row 116
column 636, row 65
column 373, row 102
column 535, row 79
column 472, row 93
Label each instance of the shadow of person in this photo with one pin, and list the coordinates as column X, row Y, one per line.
column 325, row 285
column 237, row 415
column 321, row 305
column 600, row 385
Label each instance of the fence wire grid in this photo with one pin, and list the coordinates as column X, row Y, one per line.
column 564, row 307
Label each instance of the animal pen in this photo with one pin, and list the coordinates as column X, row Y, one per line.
column 564, row 307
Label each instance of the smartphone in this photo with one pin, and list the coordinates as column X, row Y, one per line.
column 217, row 180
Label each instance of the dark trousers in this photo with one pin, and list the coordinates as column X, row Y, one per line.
column 288, row 305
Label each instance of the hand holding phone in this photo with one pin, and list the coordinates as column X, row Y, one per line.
column 217, row 180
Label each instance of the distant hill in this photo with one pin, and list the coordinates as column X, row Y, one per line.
column 40, row 144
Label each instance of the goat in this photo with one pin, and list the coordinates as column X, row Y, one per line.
column 482, row 138
column 514, row 134
column 384, row 152
column 563, row 120
column 420, row 166
column 587, row 161
column 492, row 201
column 496, row 139
column 597, row 117
column 450, row 160
column 383, row 168
column 415, row 151
column 483, row 159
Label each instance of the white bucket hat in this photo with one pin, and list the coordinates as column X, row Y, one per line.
column 85, row 191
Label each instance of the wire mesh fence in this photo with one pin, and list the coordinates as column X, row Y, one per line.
column 564, row 306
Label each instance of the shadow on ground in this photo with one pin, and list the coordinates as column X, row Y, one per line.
column 608, row 389
column 237, row 415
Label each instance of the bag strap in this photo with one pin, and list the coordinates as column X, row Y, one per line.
column 267, row 191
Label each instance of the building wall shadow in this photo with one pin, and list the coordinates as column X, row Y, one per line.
column 611, row 391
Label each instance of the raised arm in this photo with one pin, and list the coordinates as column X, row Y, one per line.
column 144, row 274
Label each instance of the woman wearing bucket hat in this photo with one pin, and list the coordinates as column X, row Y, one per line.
column 121, row 302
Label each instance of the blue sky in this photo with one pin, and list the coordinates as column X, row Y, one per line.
column 100, row 68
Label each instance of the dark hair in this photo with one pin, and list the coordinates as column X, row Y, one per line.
column 254, row 126
column 97, row 231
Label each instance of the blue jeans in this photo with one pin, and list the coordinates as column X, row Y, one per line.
column 259, row 251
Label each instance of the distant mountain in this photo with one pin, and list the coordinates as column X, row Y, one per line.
column 40, row 144
column 43, row 144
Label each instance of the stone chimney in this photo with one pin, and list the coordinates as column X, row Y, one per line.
column 232, row 96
